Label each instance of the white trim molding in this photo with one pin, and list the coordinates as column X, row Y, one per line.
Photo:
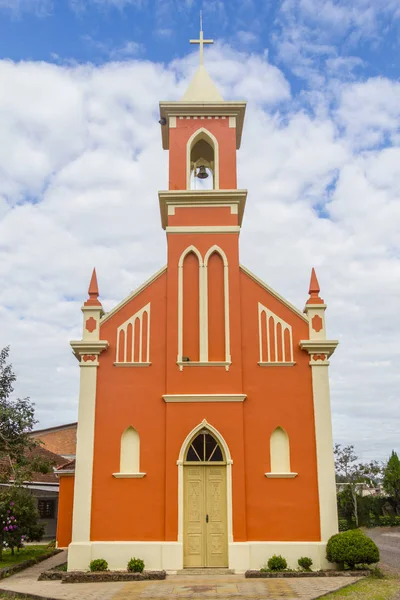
column 128, row 475
column 279, row 344
column 200, row 198
column 202, row 109
column 273, row 293
column 327, row 347
column 192, row 363
column 203, row 229
column 229, row 462
column 276, row 364
column 133, row 295
column 216, row 249
column 182, row 257
column 124, row 328
column 281, row 475
column 132, row 364
column 204, row 397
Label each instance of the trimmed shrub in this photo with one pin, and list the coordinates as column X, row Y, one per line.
column 305, row 563
column 389, row 521
column 343, row 525
column 352, row 548
column 277, row 563
column 99, row 564
column 136, row 565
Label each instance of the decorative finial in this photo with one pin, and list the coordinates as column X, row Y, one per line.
column 93, row 291
column 201, row 41
column 314, row 290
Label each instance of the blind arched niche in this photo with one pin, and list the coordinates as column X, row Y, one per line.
column 129, row 466
column 280, row 455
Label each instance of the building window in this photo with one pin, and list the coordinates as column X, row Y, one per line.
column 204, row 448
column 46, row 509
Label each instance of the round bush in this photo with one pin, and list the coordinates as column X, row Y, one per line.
column 99, row 564
column 136, row 565
column 352, row 548
column 277, row 563
column 305, row 563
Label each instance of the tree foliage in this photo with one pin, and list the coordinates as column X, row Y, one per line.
column 391, row 480
column 19, row 518
column 18, row 460
column 353, row 474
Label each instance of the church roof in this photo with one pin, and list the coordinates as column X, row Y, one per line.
column 202, row 88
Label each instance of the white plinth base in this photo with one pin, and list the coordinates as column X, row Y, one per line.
column 253, row 555
column 157, row 556
column 168, row 556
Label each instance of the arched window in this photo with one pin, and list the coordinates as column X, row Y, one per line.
column 202, row 161
column 280, row 451
column 190, row 307
column 130, row 451
column 204, row 448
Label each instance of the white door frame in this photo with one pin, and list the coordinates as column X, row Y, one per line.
column 229, row 462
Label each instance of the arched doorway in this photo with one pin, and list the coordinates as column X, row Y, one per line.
column 205, row 532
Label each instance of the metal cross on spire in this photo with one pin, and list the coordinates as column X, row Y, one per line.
column 201, row 41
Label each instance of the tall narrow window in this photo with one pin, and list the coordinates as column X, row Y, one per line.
column 202, row 161
column 216, row 308
column 280, row 451
column 191, row 308
column 130, row 451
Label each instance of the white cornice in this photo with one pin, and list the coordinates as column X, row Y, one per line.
column 204, row 229
column 274, row 293
column 204, row 397
column 132, row 295
column 199, row 109
column 199, row 198
column 88, row 347
column 319, row 346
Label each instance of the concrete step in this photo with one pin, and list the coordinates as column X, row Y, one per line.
column 206, row 571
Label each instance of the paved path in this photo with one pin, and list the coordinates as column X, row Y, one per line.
column 185, row 587
column 388, row 541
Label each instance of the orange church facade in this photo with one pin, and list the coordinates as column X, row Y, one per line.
column 204, row 428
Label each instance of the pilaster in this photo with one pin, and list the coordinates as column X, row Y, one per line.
column 319, row 350
column 87, row 351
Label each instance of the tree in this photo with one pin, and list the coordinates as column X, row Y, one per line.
column 18, row 518
column 18, row 460
column 353, row 474
column 391, row 480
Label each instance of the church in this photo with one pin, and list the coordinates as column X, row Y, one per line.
column 204, row 429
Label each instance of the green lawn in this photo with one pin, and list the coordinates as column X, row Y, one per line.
column 368, row 589
column 25, row 554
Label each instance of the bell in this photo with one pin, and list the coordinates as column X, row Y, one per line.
column 202, row 173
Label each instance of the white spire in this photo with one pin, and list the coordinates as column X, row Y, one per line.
column 202, row 88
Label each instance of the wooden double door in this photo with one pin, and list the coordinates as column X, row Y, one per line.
column 205, row 516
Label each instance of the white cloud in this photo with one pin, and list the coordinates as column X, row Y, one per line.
column 315, row 36
column 84, row 143
column 40, row 8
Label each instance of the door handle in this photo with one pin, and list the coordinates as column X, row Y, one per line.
column 206, row 518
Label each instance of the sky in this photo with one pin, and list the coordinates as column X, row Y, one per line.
column 81, row 163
